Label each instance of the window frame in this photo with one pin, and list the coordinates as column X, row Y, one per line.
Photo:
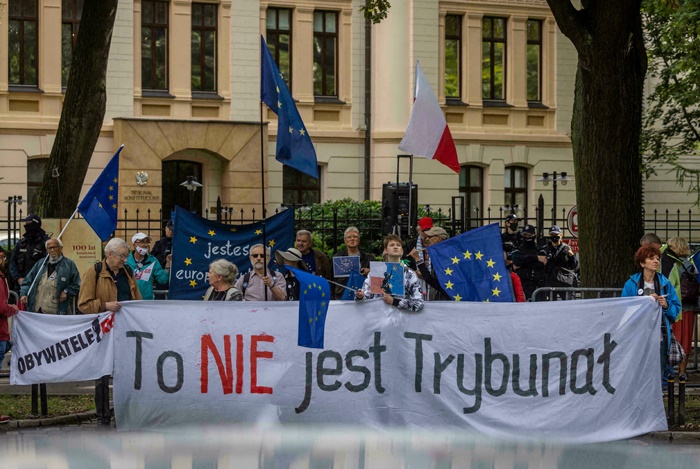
column 298, row 188
column 323, row 36
column 202, row 47
column 492, row 42
column 540, row 43
column 468, row 190
column 23, row 19
column 276, row 43
column 35, row 186
column 460, row 42
column 510, row 189
column 152, row 48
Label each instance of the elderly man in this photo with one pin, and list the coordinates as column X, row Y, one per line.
column 254, row 283
column 432, row 236
column 29, row 250
column 57, row 280
column 146, row 268
column 316, row 261
column 105, row 285
column 352, row 248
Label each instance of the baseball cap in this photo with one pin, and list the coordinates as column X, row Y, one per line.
column 291, row 254
column 437, row 231
column 139, row 237
column 425, row 223
column 555, row 229
column 170, row 224
column 529, row 230
column 32, row 218
column 512, row 216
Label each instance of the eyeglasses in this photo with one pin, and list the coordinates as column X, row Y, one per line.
column 120, row 256
column 49, row 248
column 255, row 256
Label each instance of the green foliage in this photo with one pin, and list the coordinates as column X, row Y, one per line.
column 375, row 10
column 671, row 128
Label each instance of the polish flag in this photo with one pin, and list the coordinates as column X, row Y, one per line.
column 427, row 134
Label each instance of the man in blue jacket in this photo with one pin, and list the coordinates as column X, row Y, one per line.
column 57, row 280
column 147, row 269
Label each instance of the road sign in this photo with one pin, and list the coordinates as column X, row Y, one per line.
column 572, row 219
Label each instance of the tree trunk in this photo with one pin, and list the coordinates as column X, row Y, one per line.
column 605, row 134
column 83, row 111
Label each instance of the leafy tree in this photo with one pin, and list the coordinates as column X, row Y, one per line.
column 605, row 132
column 375, row 10
column 83, row 111
column 672, row 119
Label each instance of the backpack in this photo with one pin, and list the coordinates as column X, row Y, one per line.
column 689, row 283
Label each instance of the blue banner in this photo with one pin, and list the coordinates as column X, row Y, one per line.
column 471, row 267
column 197, row 242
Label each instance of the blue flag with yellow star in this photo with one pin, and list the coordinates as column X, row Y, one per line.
column 197, row 242
column 314, row 297
column 470, row 266
column 99, row 207
column 294, row 146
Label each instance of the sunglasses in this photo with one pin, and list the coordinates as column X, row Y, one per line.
column 255, row 256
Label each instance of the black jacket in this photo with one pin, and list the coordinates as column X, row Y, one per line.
column 561, row 267
column 29, row 251
column 161, row 249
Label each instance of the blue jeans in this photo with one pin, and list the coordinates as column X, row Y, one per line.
column 5, row 346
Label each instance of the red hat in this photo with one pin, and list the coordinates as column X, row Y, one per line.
column 425, row 223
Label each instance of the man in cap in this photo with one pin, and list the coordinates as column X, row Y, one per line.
column 29, row 250
column 291, row 257
column 511, row 237
column 418, row 243
column 433, row 236
column 58, row 280
column 561, row 264
column 146, row 267
column 530, row 262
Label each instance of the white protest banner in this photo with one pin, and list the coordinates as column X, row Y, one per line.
column 583, row 371
column 48, row 348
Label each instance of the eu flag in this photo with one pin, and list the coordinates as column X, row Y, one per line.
column 294, row 146
column 197, row 242
column 99, row 207
column 314, row 298
column 355, row 281
column 470, row 267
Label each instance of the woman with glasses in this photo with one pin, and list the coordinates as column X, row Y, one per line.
column 222, row 275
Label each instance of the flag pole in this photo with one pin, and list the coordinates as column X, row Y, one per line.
column 410, row 194
column 262, row 190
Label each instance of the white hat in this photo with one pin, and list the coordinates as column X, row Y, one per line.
column 139, row 237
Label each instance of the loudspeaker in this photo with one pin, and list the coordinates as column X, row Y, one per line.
column 395, row 209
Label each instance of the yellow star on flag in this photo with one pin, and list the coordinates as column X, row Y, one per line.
column 114, row 205
column 497, row 277
column 495, row 291
column 212, row 233
column 111, row 197
column 233, row 230
column 455, row 260
column 458, row 298
column 490, row 263
column 306, row 292
column 449, row 285
column 277, row 88
column 188, row 261
column 111, row 188
column 115, row 180
column 279, row 104
column 258, row 232
column 193, row 239
column 99, row 205
column 291, row 130
column 479, row 256
column 448, row 271
column 467, row 254
column 271, row 243
column 486, row 301
column 302, row 131
column 193, row 283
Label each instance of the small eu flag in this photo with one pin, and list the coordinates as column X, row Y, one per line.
column 355, row 281
column 99, row 207
column 314, row 299
column 471, row 267
column 294, row 146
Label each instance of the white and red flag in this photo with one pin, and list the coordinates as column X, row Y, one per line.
column 427, row 133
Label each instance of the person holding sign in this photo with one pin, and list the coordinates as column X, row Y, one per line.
column 412, row 296
column 146, row 268
column 340, row 259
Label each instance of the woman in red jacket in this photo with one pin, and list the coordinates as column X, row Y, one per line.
column 5, row 312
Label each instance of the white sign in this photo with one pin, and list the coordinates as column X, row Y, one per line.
column 48, row 348
column 585, row 373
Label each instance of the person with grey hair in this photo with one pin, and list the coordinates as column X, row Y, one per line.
column 104, row 286
column 316, row 261
column 222, row 275
column 352, row 248
column 261, row 284
column 52, row 282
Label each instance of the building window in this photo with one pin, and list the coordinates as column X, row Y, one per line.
column 279, row 40
column 299, row 188
column 516, row 188
column 154, row 45
column 534, row 60
column 204, row 30
column 71, row 10
column 453, row 56
column 493, row 58
column 35, row 177
column 472, row 189
column 23, row 42
column 325, row 53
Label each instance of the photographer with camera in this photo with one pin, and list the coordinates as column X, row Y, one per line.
column 29, row 250
column 530, row 262
column 561, row 264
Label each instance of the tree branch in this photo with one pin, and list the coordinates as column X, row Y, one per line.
column 571, row 22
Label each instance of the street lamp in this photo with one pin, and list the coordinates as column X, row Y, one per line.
column 191, row 184
column 554, row 177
